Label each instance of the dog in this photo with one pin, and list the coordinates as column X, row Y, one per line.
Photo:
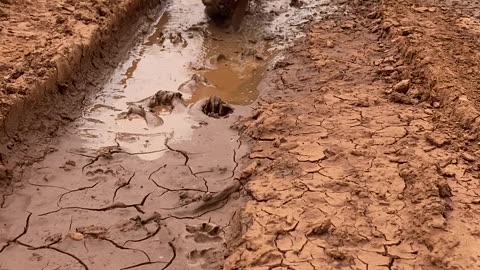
column 228, row 12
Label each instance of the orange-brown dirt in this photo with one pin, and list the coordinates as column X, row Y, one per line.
column 358, row 161
column 52, row 55
column 364, row 153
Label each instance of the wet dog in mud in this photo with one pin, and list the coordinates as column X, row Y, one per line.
column 212, row 107
column 226, row 12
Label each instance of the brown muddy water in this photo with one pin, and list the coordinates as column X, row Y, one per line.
column 118, row 194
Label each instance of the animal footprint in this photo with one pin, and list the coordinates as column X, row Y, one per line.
column 113, row 171
column 206, row 257
column 99, row 171
column 204, row 233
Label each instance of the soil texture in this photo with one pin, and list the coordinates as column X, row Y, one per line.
column 350, row 139
column 357, row 160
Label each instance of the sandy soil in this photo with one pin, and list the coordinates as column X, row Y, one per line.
column 357, row 160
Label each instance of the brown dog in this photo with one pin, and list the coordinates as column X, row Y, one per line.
column 229, row 11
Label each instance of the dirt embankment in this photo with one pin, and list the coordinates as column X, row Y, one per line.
column 52, row 53
column 439, row 43
column 354, row 164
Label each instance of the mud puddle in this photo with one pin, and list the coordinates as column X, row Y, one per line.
column 117, row 193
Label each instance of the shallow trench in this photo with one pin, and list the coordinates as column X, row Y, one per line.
column 118, row 193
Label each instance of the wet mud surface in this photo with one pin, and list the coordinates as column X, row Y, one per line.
column 118, row 193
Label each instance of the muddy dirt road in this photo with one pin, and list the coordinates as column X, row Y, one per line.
column 354, row 146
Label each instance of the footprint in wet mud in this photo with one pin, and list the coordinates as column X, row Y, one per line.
column 207, row 257
column 100, row 171
column 104, row 172
column 204, row 233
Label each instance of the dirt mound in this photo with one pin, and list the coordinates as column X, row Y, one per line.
column 348, row 176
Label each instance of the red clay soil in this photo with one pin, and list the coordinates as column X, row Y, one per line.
column 52, row 53
column 439, row 42
column 358, row 161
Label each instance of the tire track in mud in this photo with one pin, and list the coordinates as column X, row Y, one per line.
column 347, row 177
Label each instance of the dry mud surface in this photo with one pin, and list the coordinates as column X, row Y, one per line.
column 354, row 165
column 363, row 152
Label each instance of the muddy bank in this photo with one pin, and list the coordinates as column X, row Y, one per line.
column 438, row 42
column 348, row 170
column 52, row 55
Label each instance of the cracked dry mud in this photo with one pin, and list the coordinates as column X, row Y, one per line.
column 121, row 212
column 347, row 178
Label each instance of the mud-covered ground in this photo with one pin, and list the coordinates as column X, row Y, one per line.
column 364, row 149
column 106, row 190
column 361, row 151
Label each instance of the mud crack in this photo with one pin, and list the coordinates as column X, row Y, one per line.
column 171, row 189
column 122, row 186
column 15, row 240
column 174, row 256
column 57, row 250
column 75, row 190
column 113, row 206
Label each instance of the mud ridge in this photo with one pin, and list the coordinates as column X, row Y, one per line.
column 446, row 70
column 57, row 98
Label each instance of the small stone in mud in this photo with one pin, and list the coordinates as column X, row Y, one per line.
column 386, row 70
column 348, row 25
column 468, row 157
column 428, row 111
column 336, row 254
column 400, row 98
column 438, row 139
column 436, row 104
column 402, row 86
column 76, row 236
column 329, row 43
column 281, row 64
column 322, row 228
column 444, row 190
column 449, row 171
